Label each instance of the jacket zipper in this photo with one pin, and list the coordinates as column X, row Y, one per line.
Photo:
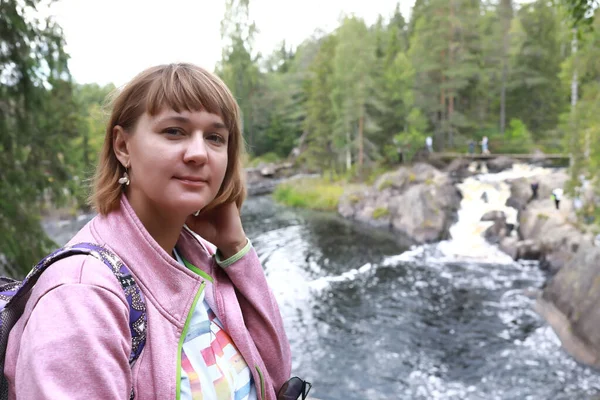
column 262, row 382
column 222, row 318
column 182, row 338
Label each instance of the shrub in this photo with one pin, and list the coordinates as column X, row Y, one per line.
column 315, row 194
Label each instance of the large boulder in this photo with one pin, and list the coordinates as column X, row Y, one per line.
column 419, row 202
column 521, row 193
column 499, row 164
column 264, row 178
column 459, row 169
column 569, row 302
column 552, row 230
column 494, row 215
column 497, row 231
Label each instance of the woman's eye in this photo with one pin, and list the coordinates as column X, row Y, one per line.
column 215, row 137
column 173, row 131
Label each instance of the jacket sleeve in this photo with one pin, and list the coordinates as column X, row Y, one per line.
column 262, row 316
column 75, row 345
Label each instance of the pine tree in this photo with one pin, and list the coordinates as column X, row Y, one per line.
column 37, row 121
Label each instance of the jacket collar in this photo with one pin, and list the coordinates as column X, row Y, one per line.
column 168, row 285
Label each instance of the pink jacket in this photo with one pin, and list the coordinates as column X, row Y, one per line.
column 73, row 340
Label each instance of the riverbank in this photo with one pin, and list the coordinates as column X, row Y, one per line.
column 420, row 203
column 567, row 250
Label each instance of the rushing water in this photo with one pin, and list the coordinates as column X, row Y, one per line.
column 370, row 318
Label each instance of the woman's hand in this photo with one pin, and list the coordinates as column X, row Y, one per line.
column 222, row 226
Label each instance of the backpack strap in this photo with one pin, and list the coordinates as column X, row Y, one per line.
column 11, row 291
column 135, row 299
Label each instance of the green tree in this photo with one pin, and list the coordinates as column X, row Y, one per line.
column 92, row 117
column 581, row 11
column 535, row 96
column 37, row 121
column 444, row 52
column 320, row 117
column 354, row 56
column 238, row 66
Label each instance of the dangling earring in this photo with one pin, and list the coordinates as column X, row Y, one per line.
column 124, row 180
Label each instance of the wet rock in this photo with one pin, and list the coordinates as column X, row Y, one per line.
column 493, row 216
column 521, row 193
column 264, row 178
column 499, row 164
column 528, row 250
column 570, row 298
column 498, row 231
column 509, row 246
column 569, row 302
column 418, row 202
column 458, row 169
column 268, row 170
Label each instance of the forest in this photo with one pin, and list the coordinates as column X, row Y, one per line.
column 523, row 73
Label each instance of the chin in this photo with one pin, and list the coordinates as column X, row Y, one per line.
column 186, row 208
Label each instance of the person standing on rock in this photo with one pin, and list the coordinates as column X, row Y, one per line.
column 534, row 190
column 399, row 151
column 557, row 195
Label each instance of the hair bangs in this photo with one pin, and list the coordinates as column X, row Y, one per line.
column 185, row 89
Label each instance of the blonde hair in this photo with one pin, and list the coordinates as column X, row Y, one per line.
column 181, row 87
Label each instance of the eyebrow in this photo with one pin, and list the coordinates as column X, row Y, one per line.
column 184, row 120
column 177, row 118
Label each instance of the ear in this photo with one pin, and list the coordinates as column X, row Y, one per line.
column 120, row 145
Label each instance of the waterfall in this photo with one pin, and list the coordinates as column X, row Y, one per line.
column 481, row 193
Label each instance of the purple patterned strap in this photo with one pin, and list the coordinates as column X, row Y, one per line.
column 133, row 294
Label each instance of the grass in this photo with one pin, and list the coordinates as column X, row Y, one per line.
column 315, row 194
column 387, row 183
column 380, row 212
column 267, row 158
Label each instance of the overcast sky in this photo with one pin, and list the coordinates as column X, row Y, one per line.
column 112, row 40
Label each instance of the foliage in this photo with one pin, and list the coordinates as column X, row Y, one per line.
column 37, row 121
column 316, row 194
column 380, row 212
column 92, row 118
column 342, row 102
column 267, row 158
column 581, row 11
column 517, row 138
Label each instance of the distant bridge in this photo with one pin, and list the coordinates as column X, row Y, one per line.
column 481, row 157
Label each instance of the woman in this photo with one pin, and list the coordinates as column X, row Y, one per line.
column 168, row 190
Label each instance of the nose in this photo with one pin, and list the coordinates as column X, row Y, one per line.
column 196, row 150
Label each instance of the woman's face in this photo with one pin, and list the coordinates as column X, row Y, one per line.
column 177, row 161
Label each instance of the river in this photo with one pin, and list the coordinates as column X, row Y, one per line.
column 371, row 318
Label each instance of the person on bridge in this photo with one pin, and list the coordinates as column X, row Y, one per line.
column 484, row 145
column 429, row 144
column 471, row 147
column 168, row 189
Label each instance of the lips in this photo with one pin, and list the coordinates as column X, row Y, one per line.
column 192, row 180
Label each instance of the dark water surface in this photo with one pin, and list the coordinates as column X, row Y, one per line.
column 367, row 324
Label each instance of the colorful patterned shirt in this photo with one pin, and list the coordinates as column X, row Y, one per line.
column 211, row 366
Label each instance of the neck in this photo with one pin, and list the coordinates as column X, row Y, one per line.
column 164, row 229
